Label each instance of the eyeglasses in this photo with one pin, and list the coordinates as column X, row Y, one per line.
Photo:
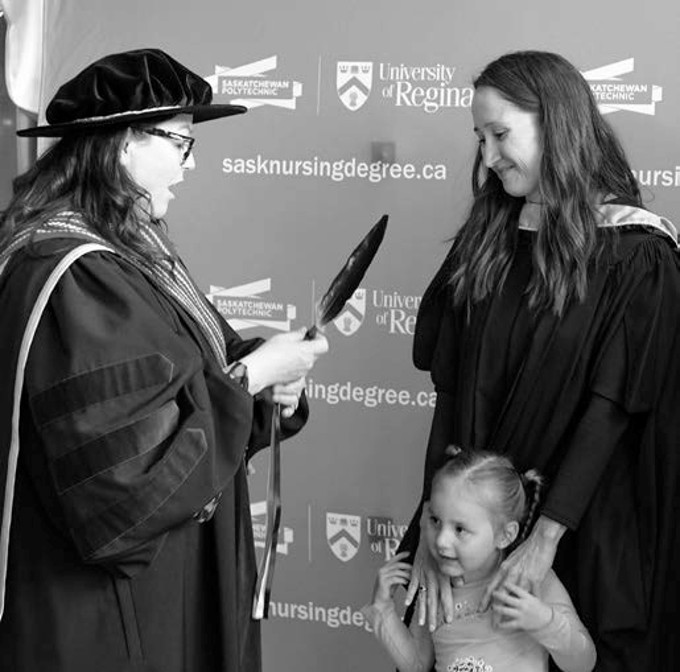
column 186, row 142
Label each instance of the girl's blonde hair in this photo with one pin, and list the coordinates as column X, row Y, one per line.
column 509, row 495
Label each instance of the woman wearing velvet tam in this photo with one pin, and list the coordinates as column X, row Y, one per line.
column 551, row 334
column 127, row 426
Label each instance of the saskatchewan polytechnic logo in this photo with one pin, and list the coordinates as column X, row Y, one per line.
column 353, row 82
column 258, row 513
column 614, row 95
column 352, row 315
column 244, row 308
column 343, row 534
column 252, row 85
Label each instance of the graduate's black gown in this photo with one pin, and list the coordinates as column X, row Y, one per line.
column 592, row 401
column 129, row 429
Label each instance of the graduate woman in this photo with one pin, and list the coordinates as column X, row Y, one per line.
column 551, row 334
column 127, row 426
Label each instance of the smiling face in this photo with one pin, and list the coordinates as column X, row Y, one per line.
column 460, row 531
column 155, row 163
column 510, row 142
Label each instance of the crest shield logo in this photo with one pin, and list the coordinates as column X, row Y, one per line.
column 353, row 82
column 343, row 534
column 352, row 315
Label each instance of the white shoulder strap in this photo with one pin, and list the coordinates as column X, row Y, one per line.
column 13, row 457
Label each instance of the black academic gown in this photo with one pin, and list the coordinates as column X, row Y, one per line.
column 591, row 400
column 129, row 430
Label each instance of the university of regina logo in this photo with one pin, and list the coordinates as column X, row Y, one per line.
column 353, row 82
column 244, row 308
column 614, row 95
column 252, row 85
column 352, row 315
column 343, row 534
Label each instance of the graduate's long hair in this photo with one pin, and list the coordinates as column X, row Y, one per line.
column 582, row 163
column 82, row 173
column 498, row 486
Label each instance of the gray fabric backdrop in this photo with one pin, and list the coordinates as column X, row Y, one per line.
column 281, row 196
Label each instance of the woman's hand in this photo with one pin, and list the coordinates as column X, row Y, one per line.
column 395, row 572
column 527, row 566
column 283, row 359
column 288, row 395
column 517, row 609
column 432, row 588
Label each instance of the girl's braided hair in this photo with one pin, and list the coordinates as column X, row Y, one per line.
column 509, row 495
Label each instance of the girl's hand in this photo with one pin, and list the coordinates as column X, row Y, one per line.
column 395, row 572
column 517, row 609
column 529, row 563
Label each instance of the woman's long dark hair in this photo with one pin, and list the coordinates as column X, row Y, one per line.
column 82, row 173
column 582, row 163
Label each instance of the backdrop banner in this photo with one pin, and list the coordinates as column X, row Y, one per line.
column 357, row 109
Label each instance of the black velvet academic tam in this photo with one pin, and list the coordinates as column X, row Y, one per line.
column 127, row 88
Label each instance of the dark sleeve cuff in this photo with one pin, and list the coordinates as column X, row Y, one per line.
column 592, row 444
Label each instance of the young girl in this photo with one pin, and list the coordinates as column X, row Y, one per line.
column 477, row 511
